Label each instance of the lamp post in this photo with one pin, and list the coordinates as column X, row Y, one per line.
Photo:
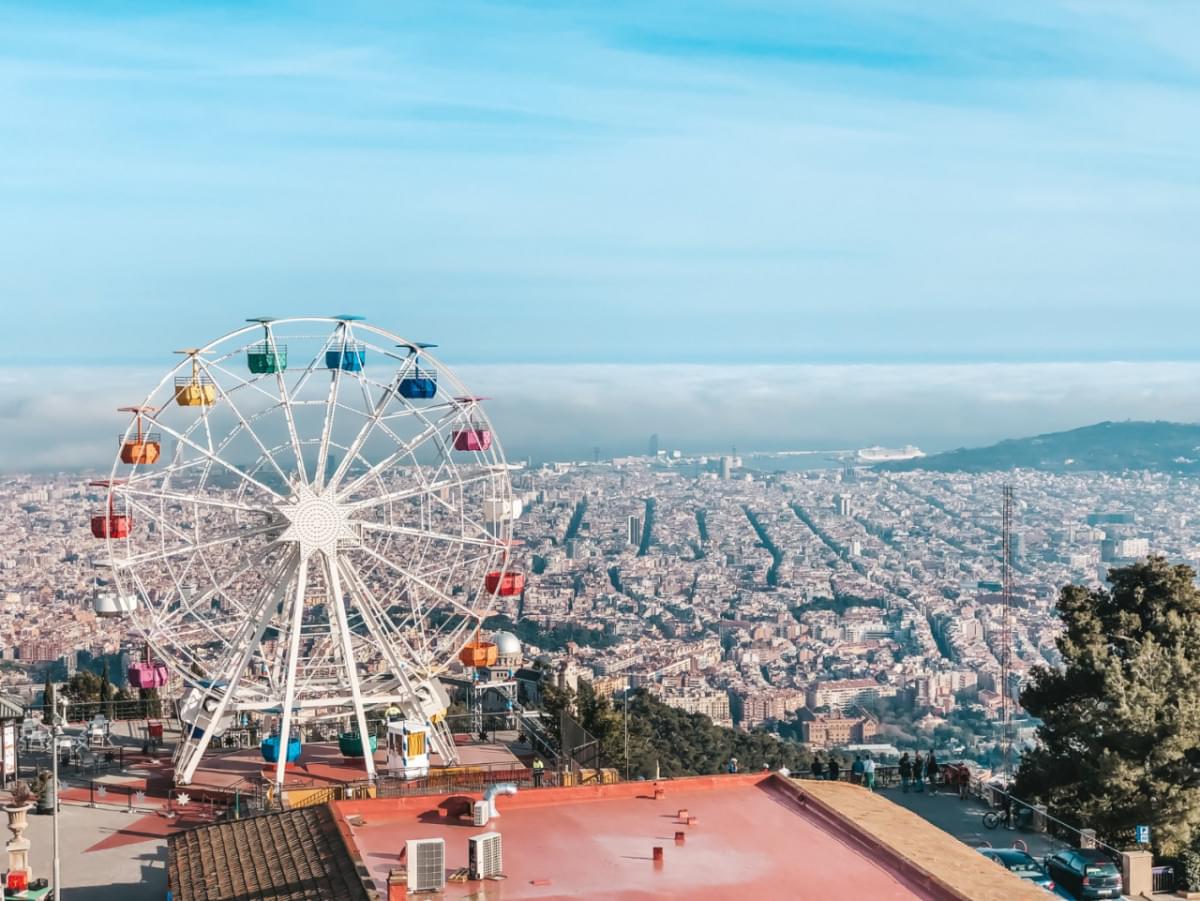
column 56, row 732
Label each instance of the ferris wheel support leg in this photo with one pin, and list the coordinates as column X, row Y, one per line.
column 289, row 692
column 347, row 647
column 441, row 737
column 231, row 675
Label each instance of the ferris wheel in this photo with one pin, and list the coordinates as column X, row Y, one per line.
column 307, row 518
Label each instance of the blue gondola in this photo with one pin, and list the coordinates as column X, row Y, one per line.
column 270, row 749
column 349, row 357
column 421, row 385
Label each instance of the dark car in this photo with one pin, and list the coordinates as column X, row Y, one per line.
column 1086, row 873
column 1020, row 864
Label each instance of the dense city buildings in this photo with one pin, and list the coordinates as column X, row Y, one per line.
column 852, row 604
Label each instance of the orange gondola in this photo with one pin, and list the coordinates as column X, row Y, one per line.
column 141, row 448
column 478, row 652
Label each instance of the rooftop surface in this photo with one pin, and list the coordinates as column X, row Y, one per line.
column 756, row 835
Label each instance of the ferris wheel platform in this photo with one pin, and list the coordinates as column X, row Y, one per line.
column 322, row 764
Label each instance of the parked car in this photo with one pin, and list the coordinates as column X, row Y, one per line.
column 1085, row 872
column 1019, row 863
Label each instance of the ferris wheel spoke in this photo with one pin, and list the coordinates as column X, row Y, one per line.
column 410, row 493
column 192, row 548
column 367, row 427
column 414, row 578
column 285, row 398
column 406, row 449
column 289, row 674
column 372, row 612
column 425, row 533
column 189, row 499
column 334, row 581
column 335, row 383
column 228, row 397
column 213, row 457
column 411, row 623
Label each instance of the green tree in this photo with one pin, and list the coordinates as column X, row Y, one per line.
column 106, row 691
column 1120, row 740
column 48, row 700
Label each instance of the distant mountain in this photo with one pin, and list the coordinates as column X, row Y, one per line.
column 1105, row 447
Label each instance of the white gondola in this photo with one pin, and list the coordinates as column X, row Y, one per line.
column 111, row 604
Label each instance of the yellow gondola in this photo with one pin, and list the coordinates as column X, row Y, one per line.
column 196, row 390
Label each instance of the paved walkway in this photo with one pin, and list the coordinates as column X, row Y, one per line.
column 964, row 820
column 93, row 871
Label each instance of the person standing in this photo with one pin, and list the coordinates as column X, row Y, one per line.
column 539, row 770
column 931, row 771
column 869, row 773
column 817, row 768
column 905, row 771
column 856, row 770
column 834, row 769
column 918, row 766
column 964, row 782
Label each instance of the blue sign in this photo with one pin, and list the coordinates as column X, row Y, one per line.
column 1143, row 835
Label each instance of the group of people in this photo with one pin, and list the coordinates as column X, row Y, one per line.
column 862, row 771
column 916, row 771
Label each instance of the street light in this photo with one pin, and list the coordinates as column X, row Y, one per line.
column 55, row 737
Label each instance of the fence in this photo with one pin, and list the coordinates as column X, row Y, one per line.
column 1163, row 879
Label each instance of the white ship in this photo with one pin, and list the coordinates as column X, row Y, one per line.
column 883, row 454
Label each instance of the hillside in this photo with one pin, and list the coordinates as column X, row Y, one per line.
column 1104, row 447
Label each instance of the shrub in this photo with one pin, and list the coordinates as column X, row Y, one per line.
column 1189, row 864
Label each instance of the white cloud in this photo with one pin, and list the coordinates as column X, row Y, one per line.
column 66, row 418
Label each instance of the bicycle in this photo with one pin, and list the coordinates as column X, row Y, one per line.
column 992, row 819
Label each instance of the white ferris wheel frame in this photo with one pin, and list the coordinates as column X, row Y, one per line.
column 338, row 527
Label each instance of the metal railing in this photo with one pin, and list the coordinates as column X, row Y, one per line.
column 1162, row 879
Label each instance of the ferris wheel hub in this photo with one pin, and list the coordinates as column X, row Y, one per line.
column 317, row 522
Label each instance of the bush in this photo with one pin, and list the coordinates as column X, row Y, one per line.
column 1189, row 865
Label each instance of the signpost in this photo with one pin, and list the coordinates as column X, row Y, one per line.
column 1143, row 835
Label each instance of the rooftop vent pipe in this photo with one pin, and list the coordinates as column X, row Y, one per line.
column 501, row 788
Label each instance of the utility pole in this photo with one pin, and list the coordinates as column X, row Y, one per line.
column 1006, row 638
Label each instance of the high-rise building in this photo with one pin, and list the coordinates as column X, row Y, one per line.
column 726, row 468
column 843, row 505
column 1016, row 548
column 652, row 447
column 635, row 530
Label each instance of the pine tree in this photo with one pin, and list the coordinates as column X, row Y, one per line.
column 105, row 691
column 48, row 700
column 1120, row 740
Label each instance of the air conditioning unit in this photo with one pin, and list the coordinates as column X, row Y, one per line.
column 483, row 856
column 426, row 859
column 479, row 813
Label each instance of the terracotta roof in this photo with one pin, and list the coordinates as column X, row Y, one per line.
column 937, row 854
column 296, row 855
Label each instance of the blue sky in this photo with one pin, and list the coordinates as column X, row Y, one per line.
column 643, row 182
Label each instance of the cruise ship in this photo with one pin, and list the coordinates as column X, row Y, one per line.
column 883, row 454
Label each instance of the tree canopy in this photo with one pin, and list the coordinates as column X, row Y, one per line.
column 1120, row 740
column 675, row 742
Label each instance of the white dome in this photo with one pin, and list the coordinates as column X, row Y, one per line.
column 507, row 644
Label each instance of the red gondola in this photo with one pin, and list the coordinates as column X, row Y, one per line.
column 108, row 523
column 506, row 584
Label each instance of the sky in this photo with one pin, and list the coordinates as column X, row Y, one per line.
column 664, row 191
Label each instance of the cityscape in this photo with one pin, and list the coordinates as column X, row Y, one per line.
column 606, row 452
